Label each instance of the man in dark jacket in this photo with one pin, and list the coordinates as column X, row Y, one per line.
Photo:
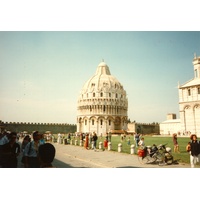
column 10, row 151
column 195, row 150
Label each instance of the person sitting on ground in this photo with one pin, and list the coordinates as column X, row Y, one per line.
column 46, row 154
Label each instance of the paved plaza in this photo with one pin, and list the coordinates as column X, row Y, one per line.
column 71, row 156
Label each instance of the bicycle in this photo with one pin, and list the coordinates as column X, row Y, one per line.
column 150, row 155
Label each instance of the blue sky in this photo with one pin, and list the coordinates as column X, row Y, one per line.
column 42, row 73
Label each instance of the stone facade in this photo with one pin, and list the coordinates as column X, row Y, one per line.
column 41, row 127
column 189, row 102
column 189, row 107
column 143, row 128
column 102, row 103
column 169, row 127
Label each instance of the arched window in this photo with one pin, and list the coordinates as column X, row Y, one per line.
column 101, row 122
column 109, row 122
column 116, row 95
column 85, row 122
column 104, row 108
column 93, row 122
column 93, row 94
column 196, row 73
column 101, row 94
column 189, row 92
column 109, row 94
column 198, row 90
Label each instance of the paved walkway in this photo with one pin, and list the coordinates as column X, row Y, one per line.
column 74, row 156
column 77, row 156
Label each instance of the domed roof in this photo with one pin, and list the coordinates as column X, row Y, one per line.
column 103, row 81
column 102, row 69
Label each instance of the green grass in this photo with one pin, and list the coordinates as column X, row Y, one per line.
column 183, row 156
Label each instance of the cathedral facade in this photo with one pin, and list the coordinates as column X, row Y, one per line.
column 189, row 107
column 102, row 103
column 189, row 101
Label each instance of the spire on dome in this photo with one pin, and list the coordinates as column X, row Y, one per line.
column 103, row 69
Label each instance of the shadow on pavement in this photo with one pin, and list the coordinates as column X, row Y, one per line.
column 128, row 167
column 59, row 164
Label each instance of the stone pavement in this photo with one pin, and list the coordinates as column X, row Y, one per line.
column 77, row 157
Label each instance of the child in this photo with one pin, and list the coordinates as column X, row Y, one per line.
column 141, row 142
column 129, row 141
column 188, row 147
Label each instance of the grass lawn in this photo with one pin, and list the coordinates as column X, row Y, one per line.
column 183, row 156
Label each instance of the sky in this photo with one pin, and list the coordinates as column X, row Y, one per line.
column 43, row 72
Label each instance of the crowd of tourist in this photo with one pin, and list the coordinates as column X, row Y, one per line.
column 35, row 151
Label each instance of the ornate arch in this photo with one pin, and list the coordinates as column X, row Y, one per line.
column 93, row 117
column 186, row 107
column 196, row 106
column 80, row 120
column 101, row 117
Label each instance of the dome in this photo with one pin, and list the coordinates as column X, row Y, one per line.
column 102, row 103
column 102, row 81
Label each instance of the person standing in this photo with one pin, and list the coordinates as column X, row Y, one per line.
column 46, row 154
column 10, row 152
column 175, row 141
column 5, row 138
column 129, row 141
column 31, row 152
column 195, row 150
column 86, row 143
column 94, row 139
column 25, row 141
column 137, row 139
column 59, row 138
column 42, row 140
column 109, row 136
column 105, row 143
